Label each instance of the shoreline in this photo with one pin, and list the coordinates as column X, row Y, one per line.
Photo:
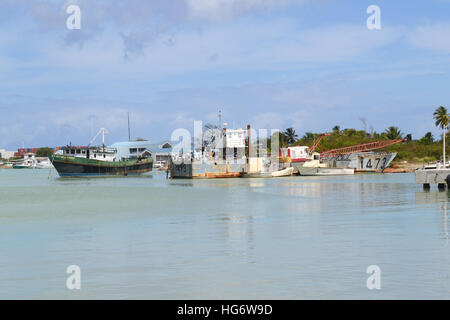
column 404, row 166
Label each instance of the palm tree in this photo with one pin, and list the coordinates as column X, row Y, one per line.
column 283, row 139
column 441, row 117
column 393, row 133
column 291, row 135
column 408, row 137
column 427, row 138
column 336, row 129
column 308, row 136
column 278, row 135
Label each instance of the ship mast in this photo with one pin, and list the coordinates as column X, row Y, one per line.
column 102, row 131
column 129, row 135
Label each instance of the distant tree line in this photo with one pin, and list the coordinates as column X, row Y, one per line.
column 44, row 152
column 413, row 150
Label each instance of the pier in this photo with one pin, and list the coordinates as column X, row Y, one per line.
column 427, row 177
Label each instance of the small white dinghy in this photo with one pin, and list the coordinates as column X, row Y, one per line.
column 283, row 173
column 280, row 173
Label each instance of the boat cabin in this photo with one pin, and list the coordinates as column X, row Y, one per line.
column 120, row 151
column 29, row 159
column 97, row 153
column 298, row 154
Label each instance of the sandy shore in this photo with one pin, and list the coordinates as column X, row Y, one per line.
column 403, row 167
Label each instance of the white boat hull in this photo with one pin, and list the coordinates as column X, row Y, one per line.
column 317, row 171
column 283, row 173
column 280, row 173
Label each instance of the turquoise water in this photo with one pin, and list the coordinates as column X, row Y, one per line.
column 286, row 238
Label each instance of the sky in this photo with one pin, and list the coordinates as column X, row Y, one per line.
column 306, row 64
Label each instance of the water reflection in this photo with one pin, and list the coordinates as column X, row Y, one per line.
column 256, row 185
column 77, row 180
column 247, row 238
column 439, row 197
column 446, row 222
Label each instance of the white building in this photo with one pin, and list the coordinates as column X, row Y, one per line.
column 235, row 138
column 6, row 154
column 130, row 149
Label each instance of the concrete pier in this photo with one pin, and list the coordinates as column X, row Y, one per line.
column 427, row 177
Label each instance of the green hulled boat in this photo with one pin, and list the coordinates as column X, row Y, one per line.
column 21, row 166
column 71, row 166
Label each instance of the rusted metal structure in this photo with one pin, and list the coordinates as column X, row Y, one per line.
column 317, row 142
column 365, row 147
column 223, row 157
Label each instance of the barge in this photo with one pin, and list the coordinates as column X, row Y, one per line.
column 222, row 156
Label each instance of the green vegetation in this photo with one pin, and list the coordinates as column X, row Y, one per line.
column 424, row 149
column 393, row 133
column 290, row 135
column 441, row 117
column 427, row 138
column 44, row 152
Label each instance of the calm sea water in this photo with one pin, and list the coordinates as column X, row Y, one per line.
column 285, row 238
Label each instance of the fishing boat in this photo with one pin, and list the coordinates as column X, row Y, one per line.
column 436, row 165
column 43, row 163
column 90, row 161
column 28, row 162
column 70, row 166
column 21, row 166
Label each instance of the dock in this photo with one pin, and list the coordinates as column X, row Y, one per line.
column 427, row 177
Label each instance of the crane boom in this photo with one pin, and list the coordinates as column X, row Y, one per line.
column 102, row 131
column 360, row 148
column 316, row 144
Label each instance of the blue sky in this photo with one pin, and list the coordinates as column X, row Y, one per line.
column 273, row 64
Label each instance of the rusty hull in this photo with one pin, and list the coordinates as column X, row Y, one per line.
column 207, row 170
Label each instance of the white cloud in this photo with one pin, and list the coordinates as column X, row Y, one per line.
column 268, row 120
column 217, row 10
column 253, row 68
column 434, row 37
column 69, row 120
column 330, row 44
column 237, row 47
